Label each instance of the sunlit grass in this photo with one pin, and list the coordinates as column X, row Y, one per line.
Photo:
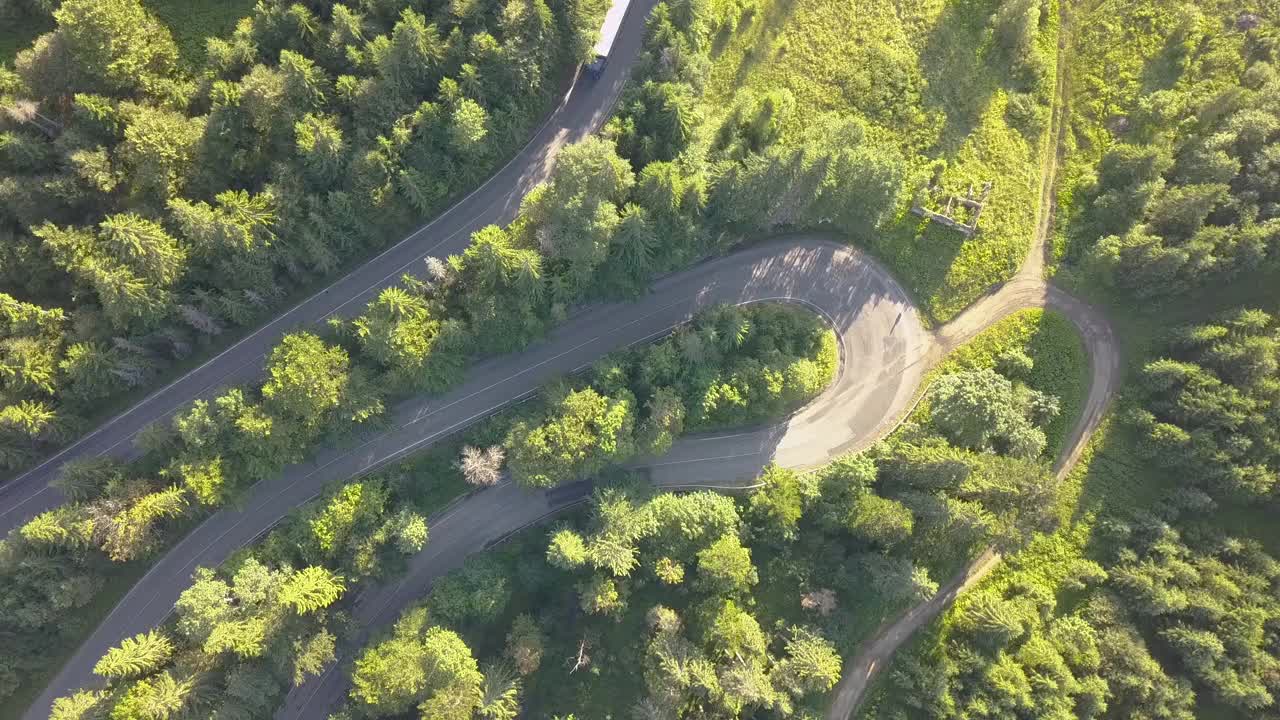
column 924, row 76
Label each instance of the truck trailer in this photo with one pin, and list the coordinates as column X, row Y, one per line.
column 608, row 34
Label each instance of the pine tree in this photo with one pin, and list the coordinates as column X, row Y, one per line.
column 310, row 589
column 135, row 657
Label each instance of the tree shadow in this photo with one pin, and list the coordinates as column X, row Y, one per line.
column 921, row 254
column 759, row 36
column 1166, row 67
column 961, row 70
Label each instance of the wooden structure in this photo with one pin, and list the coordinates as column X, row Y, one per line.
column 28, row 112
column 955, row 208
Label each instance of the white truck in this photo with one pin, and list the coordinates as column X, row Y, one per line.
column 608, row 34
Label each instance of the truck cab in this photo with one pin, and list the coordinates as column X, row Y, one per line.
column 596, row 66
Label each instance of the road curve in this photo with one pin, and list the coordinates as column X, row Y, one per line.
column 1027, row 289
column 884, row 355
column 883, row 351
column 581, row 112
column 809, row 439
column 1024, row 291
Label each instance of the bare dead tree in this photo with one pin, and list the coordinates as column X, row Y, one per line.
column 439, row 274
column 200, row 320
column 583, row 660
column 482, row 468
column 822, row 601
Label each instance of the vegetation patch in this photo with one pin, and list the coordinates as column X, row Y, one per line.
column 288, row 589
column 628, row 604
column 1059, row 366
column 666, row 603
column 1165, row 218
column 193, row 22
column 962, row 89
column 164, row 197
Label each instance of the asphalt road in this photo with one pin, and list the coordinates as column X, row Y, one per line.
column 885, row 353
column 581, row 111
column 1027, row 289
column 883, row 348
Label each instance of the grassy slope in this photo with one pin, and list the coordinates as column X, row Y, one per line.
column 1118, row 57
column 925, row 76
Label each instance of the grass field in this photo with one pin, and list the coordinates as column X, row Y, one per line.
column 928, row 77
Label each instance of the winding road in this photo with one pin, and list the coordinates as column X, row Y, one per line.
column 885, row 353
column 583, row 109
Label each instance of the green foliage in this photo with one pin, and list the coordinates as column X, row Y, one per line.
column 195, row 22
column 880, row 521
column 1059, row 366
column 116, row 46
column 779, row 504
column 256, row 616
column 831, row 176
column 162, row 696
column 525, row 644
column 1210, row 407
column 724, row 567
column 585, row 432
column 573, row 218
column 242, row 175
column 311, row 589
column 1173, row 191
column 1210, row 607
column 130, row 263
column 306, row 382
column 983, row 410
column 418, row 665
column 477, row 593
column 263, row 623
column 929, row 83
column 23, row 22
column 136, row 656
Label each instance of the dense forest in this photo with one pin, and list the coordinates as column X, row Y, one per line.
column 242, row 635
column 1157, row 598
column 146, row 208
column 1184, row 191
column 165, row 206
column 596, row 227
column 661, row 605
column 171, row 207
